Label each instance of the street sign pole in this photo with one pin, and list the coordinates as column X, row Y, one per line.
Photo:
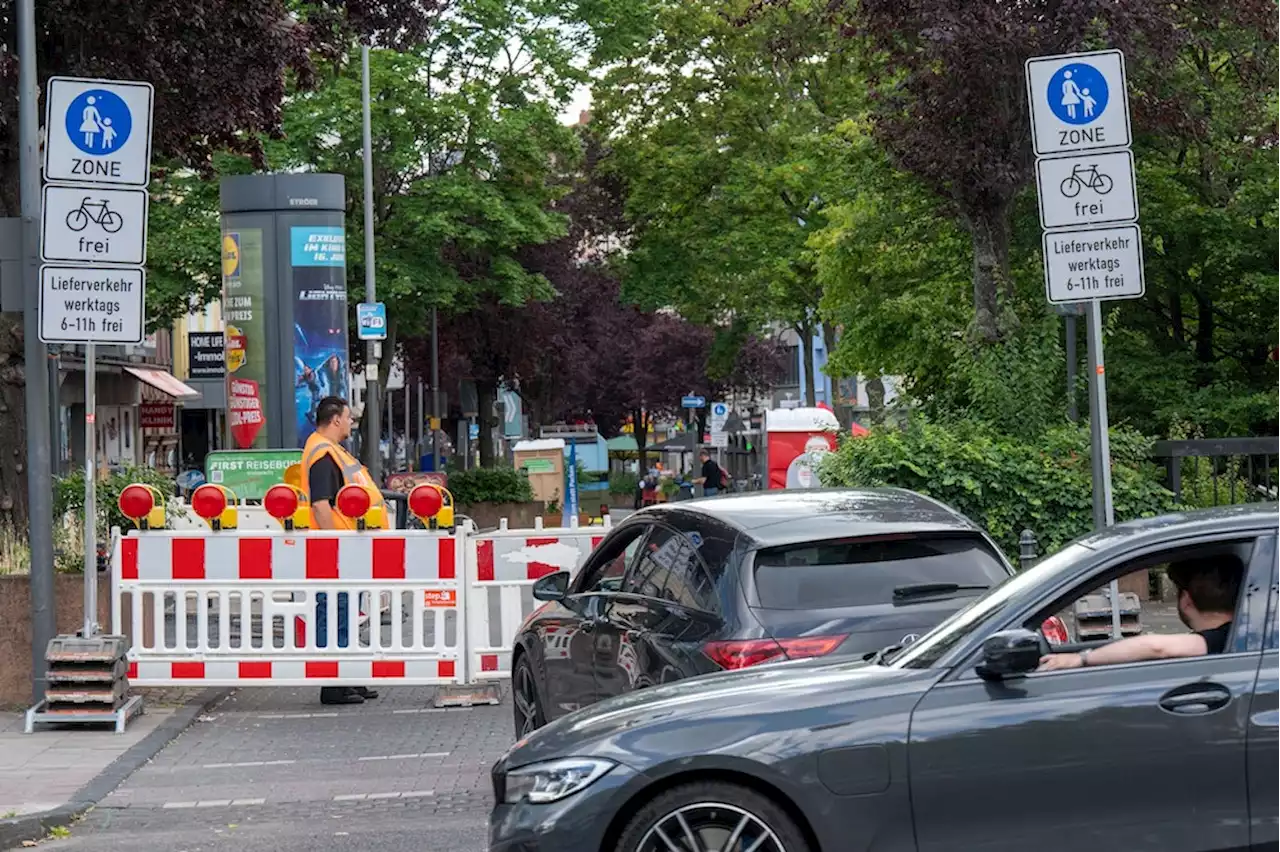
column 90, row 495
column 93, row 239
column 372, row 419
column 1079, row 110
column 39, row 463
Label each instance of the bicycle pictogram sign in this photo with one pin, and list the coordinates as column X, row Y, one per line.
column 98, row 212
column 1086, row 176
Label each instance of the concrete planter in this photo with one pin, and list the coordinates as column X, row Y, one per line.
column 15, row 626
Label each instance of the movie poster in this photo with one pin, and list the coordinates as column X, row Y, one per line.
column 321, row 361
column 244, row 315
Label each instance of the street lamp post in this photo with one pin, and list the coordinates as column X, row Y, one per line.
column 371, row 421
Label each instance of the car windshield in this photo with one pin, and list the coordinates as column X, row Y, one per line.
column 933, row 645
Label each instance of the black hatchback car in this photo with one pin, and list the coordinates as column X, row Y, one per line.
column 730, row 582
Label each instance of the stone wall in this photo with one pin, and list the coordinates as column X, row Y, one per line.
column 15, row 627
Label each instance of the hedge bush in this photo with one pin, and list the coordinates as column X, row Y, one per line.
column 489, row 485
column 1005, row 484
column 68, row 495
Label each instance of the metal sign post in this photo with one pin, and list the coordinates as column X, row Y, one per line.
column 1089, row 210
column 97, row 165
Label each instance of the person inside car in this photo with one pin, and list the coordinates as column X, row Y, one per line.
column 1207, row 591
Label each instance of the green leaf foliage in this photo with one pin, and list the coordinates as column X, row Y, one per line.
column 489, row 485
column 1005, row 484
column 68, row 495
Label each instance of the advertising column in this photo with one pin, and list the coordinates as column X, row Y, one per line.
column 321, row 359
column 244, row 312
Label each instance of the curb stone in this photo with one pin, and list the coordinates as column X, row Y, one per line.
column 37, row 826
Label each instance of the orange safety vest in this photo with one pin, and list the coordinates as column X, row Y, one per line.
column 353, row 473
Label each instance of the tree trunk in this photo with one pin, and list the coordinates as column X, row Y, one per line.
column 486, row 399
column 991, row 279
column 875, row 400
column 806, row 353
column 640, row 429
column 1204, row 329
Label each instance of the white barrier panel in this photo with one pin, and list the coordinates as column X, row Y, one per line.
column 239, row 608
column 501, row 568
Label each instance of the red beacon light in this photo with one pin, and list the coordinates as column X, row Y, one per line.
column 136, row 503
column 353, row 501
column 282, row 503
column 210, row 503
column 426, row 501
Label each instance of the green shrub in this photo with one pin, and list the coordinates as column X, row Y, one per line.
column 1005, row 484
column 68, row 495
column 489, row 485
column 623, row 484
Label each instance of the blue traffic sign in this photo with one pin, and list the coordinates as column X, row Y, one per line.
column 99, row 122
column 694, row 402
column 1078, row 93
column 371, row 321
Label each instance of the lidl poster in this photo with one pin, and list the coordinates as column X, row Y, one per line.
column 244, row 311
column 321, row 365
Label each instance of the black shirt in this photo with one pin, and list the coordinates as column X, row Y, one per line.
column 325, row 480
column 711, row 473
column 1216, row 638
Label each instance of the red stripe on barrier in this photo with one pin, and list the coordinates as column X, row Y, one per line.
column 129, row 559
column 444, row 668
column 133, row 671
column 299, row 632
column 484, row 561
column 388, row 668
column 488, row 662
column 322, row 668
column 257, row 670
column 388, row 559
column 448, row 555
column 255, row 559
column 186, row 671
column 322, row 562
column 538, row 570
column 595, row 541
column 188, row 559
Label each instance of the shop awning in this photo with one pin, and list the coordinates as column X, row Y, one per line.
column 164, row 382
column 622, row 444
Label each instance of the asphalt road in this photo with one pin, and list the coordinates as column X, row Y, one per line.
column 273, row 769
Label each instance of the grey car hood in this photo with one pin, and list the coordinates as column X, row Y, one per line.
column 702, row 713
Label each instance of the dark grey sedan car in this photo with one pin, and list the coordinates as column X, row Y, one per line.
column 927, row 749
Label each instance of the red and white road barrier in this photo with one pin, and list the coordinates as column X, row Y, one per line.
column 502, row 566
column 239, row 608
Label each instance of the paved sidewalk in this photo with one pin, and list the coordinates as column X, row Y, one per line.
column 273, row 769
column 49, row 777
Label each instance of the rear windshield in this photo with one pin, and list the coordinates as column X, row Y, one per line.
column 865, row 572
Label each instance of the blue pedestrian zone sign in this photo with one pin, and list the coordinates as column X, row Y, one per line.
column 1078, row 93
column 371, row 321
column 99, row 122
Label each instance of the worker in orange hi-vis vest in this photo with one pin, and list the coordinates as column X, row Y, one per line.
column 326, row 468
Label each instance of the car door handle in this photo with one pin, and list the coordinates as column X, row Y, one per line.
column 1199, row 698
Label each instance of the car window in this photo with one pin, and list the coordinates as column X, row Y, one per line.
column 1273, row 627
column 714, row 540
column 609, row 563
column 669, row 568
column 862, row 572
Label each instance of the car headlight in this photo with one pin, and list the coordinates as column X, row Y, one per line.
column 552, row 780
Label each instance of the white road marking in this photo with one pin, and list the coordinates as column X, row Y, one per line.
column 404, row 756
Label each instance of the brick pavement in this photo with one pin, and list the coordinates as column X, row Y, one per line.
column 276, row 760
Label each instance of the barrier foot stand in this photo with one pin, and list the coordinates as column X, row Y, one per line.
column 467, row 695
column 120, row 716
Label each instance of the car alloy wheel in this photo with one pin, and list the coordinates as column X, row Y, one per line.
column 524, row 696
column 710, row 827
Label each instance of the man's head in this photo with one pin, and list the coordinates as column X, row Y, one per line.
column 333, row 418
column 1207, row 589
column 705, row 455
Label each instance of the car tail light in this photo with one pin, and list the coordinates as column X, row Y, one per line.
column 741, row 653
column 1055, row 630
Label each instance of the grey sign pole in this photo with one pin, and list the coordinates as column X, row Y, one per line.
column 435, row 391
column 1100, row 441
column 90, row 480
column 39, row 465
column 372, row 419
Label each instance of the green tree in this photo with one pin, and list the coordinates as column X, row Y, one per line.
column 725, row 137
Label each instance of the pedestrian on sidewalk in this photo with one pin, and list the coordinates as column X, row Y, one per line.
column 712, row 477
column 326, row 468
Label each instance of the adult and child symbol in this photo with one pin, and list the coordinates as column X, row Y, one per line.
column 98, row 122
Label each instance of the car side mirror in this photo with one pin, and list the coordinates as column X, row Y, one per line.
column 1011, row 653
column 552, row 587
